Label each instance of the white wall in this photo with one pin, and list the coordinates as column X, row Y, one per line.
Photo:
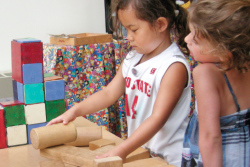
column 38, row 18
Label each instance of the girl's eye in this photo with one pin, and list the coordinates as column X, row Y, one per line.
column 134, row 30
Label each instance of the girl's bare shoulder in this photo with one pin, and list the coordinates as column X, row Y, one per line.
column 208, row 72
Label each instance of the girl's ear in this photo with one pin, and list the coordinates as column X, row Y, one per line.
column 162, row 24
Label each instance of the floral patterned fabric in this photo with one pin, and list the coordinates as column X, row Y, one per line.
column 87, row 69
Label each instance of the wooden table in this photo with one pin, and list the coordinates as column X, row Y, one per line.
column 27, row 156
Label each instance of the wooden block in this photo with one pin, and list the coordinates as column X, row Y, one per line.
column 3, row 139
column 53, row 163
column 52, row 135
column 18, row 91
column 35, row 113
column 16, row 135
column 30, row 127
column 24, row 53
column 55, row 152
column 100, row 143
column 86, row 135
column 33, row 93
column 14, row 115
column 108, row 162
column 149, row 162
column 139, row 153
column 32, row 73
column 52, row 78
column 54, row 90
column 54, row 109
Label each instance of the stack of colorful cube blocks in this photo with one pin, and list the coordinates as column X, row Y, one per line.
column 38, row 97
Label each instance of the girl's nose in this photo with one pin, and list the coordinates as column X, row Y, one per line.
column 129, row 36
column 187, row 38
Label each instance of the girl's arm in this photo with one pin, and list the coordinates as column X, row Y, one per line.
column 95, row 102
column 171, row 88
column 208, row 100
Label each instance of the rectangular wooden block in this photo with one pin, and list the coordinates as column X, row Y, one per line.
column 33, row 93
column 52, row 163
column 35, row 113
column 54, row 90
column 93, row 145
column 108, row 162
column 149, row 162
column 16, row 135
column 3, row 139
column 32, row 73
column 29, row 127
column 54, row 109
column 24, row 53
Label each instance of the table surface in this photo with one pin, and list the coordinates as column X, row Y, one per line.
column 27, row 156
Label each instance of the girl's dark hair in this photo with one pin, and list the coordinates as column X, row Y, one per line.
column 226, row 25
column 151, row 10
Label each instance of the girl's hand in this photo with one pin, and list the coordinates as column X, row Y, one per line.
column 117, row 151
column 65, row 118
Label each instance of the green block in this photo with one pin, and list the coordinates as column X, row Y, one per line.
column 54, row 109
column 33, row 93
column 14, row 115
column 48, row 75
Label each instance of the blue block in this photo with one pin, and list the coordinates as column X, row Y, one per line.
column 32, row 73
column 27, row 40
column 54, row 90
column 18, row 91
column 14, row 86
column 29, row 127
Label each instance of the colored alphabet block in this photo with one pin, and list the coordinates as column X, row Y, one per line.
column 16, row 135
column 18, row 91
column 54, row 109
column 54, row 90
column 29, row 127
column 35, row 113
column 32, row 73
column 14, row 114
column 33, row 93
column 24, row 53
column 3, row 139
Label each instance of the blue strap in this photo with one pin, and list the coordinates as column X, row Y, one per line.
column 231, row 90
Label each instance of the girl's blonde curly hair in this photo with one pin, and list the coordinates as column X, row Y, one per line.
column 226, row 25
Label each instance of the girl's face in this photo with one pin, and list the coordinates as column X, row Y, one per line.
column 143, row 37
column 200, row 48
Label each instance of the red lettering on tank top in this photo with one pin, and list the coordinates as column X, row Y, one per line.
column 127, row 81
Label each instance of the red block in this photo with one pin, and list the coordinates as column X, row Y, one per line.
column 10, row 103
column 24, row 53
column 3, row 139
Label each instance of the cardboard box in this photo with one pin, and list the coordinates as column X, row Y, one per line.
column 80, row 39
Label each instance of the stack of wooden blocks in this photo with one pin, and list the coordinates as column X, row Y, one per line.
column 38, row 98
